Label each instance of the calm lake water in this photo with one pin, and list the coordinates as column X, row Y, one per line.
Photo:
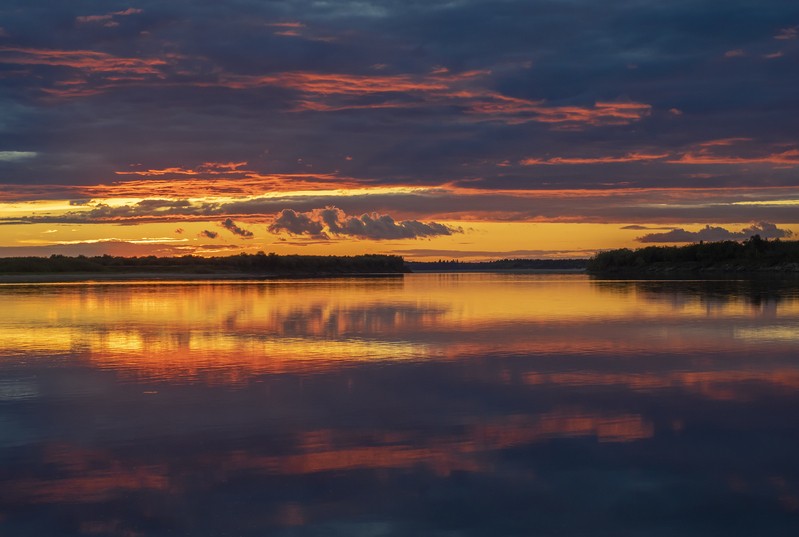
column 429, row 404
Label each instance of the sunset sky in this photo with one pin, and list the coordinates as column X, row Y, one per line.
column 431, row 129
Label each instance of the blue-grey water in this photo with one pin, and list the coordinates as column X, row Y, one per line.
column 429, row 404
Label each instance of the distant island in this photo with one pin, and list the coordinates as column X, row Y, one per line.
column 498, row 265
column 61, row 267
column 752, row 255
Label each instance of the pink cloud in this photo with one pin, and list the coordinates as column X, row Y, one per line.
column 786, row 34
column 737, row 53
column 87, row 19
column 789, row 158
column 86, row 60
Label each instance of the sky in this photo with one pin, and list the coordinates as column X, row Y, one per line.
column 431, row 129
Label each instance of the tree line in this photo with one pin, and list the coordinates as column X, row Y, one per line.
column 754, row 253
column 500, row 264
column 259, row 263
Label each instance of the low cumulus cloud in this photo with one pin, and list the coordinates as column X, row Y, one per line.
column 209, row 234
column 231, row 226
column 717, row 233
column 322, row 223
column 647, row 228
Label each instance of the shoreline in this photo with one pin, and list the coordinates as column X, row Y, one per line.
column 100, row 277
column 177, row 277
column 501, row 271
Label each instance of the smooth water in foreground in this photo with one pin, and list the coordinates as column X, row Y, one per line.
column 429, row 404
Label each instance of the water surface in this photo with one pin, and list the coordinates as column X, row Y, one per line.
column 429, row 404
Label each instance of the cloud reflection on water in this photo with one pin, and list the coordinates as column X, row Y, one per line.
column 469, row 404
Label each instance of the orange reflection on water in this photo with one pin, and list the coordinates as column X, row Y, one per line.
column 229, row 331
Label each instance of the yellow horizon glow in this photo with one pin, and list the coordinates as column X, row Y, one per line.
column 491, row 240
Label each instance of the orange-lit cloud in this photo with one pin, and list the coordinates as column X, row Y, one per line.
column 216, row 200
column 789, row 157
column 629, row 157
column 440, row 88
column 204, row 169
column 249, row 184
column 108, row 18
column 465, row 92
column 337, row 84
column 701, row 153
column 86, row 60
column 723, row 142
column 602, row 113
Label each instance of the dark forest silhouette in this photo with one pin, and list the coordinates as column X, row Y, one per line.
column 754, row 253
column 260, row 263
column 501, row 264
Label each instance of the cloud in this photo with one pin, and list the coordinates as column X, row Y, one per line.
column 336, row 92
column 108, row 18
column 629, row 157
column 786, row 34
column 236, row 230
column 11, row 156
column 465, row 94
column 204, row 169
column 413, row 98
column 624, row 205
column 147, row 209
column 296, row 223
column 322, row 223
column 717, row 233
column 640, row 227
column 699, row 153
column 789, row 157
column 209, row 234
column 736, row 53
column 86, row 60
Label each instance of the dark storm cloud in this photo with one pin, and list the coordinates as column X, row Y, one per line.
column 715, row 233
column 404, row 92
